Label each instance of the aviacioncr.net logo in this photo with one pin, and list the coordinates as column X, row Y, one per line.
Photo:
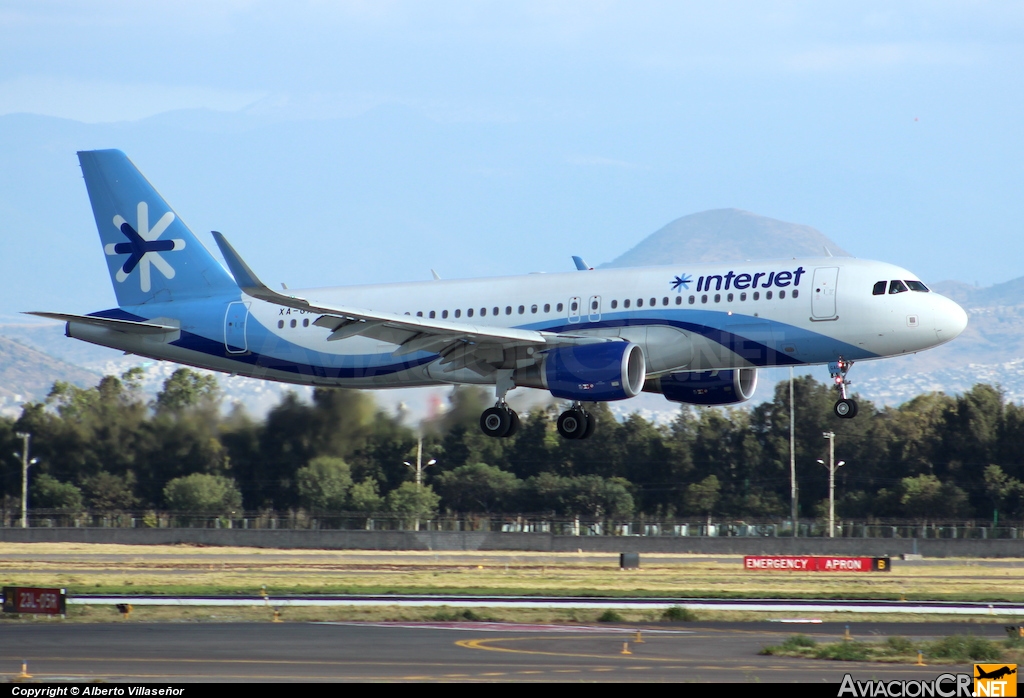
column 144, row 246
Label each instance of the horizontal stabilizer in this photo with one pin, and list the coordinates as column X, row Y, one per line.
column 126, row 326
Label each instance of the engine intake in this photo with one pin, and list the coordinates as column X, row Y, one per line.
column 706, row 387
column 589, row 372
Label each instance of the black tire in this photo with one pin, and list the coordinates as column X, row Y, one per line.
column 495, row 422
column 591, row 423
column 572, row 424
column 845, row 409
column 513, row 426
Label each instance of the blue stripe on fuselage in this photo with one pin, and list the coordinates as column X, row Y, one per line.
column 206, row 329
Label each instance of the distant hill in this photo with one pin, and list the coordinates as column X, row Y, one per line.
column 27, row 374
column 725, row 235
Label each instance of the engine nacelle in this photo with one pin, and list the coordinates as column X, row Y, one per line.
column 706, row 387
column 589, row 372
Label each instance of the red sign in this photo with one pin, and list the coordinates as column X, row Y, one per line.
column 815, row 563
column 34, row 600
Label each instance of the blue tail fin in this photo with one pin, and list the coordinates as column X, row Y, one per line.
column 151, row 254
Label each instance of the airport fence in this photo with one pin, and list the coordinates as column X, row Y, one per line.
column 522, row 523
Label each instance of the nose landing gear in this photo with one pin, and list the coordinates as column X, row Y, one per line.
column 845, row 408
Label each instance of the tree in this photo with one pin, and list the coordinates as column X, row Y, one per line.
column 50, row 493
column 413, row 501
column 324, row 484
column 364, row 497
column 187, row 389
column 478, row 488
column 202, row 493
column 703, row 496
column 108, row 492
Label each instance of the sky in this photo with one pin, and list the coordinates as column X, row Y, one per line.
column 350, row 142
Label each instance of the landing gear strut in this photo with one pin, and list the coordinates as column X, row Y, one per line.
column 500, row 421
column 576, row 423
column 845, row 408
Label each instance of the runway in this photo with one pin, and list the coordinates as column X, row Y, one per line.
column 453, row 652
column 803, row 606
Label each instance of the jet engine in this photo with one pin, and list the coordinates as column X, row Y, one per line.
column 706, row 387
column 589, row 372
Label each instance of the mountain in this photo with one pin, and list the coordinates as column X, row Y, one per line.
column 27, row 374
column 726, row 235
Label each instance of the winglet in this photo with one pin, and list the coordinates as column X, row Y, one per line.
column 244, row 276
column 581, row 265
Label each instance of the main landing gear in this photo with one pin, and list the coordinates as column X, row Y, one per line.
column 500, row 421
column 845, row 408
column 576, row 423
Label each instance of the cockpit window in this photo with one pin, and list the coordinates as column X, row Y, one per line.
column 879, row 289
column 917, row 286
column 897, row 286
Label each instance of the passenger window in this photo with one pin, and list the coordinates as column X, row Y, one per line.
column 305, row 321
column 625, row 303
column 917, row 286
column 729, row 298
column 495, row 311
column 704, row 298
column 757, row 295
column 292, row 323
column 743, row 296
column 664, row 301
column 879, row 289
column 718, row 298
column 692, row 299
column 615, row 304
column 679, row 300
column 458, row 313
column 547, row 307
column 558, row 308
column 533, row 309
column 280, row 324
column 432, row 314
column 654, row 302
column 639, row 302
column 768, row 295
column 469, row 312
column 897, row 286
column 593, row 305
column 796, row 293
column 508, row 309
column 444, row 314
column 522, row 309
column 419, row 313
column 483, row 312
column 575, row 306
column 782, row 294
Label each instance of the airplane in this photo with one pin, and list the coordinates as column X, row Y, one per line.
column 696, row 334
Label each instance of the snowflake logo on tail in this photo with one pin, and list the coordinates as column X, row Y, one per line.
column 143, row 247
column 680, row 282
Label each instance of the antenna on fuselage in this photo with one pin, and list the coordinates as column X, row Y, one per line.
column 827, row 251
column 437, row 277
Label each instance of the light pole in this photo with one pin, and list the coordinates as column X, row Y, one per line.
column 420, row 465
column 25, row 463
column 832, row 467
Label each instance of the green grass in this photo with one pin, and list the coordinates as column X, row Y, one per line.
column 952, row 649
column 964, row 648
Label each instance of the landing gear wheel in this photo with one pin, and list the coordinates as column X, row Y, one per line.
column 572, row 424
column 513, row 426
column 846, row 408
column 591, row 423
column 496, row 422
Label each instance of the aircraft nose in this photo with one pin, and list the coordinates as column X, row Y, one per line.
column 950, row 320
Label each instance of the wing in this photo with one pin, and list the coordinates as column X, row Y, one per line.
column 462, row 345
